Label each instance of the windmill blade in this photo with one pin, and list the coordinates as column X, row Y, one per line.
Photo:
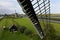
column 29, row 11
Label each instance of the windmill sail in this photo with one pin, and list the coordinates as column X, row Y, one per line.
column 29, row 10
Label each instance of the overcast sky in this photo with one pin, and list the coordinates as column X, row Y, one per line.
column 9, row 6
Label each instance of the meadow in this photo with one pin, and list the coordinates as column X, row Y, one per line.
column 7, row 35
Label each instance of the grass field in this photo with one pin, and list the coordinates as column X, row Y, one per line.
column 56, row 26
column 55, row 15
column 6, row 35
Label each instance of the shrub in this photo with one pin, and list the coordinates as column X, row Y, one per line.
column 6, row 28
column 28, row 32
column 22, row 29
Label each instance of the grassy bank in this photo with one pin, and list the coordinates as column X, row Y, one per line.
column 6, row 35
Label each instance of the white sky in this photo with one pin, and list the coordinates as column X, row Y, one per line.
column 9, row 6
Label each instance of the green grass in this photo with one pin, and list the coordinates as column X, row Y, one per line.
column 55, row 15
column 56, row 26
column 6, row 35
column 25, row 22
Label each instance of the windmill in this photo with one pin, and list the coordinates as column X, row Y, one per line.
column 33, row 7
